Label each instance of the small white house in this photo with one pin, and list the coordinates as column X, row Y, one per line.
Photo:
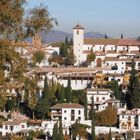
column 67, row 112
column 13, row 126
column 99, row 96
column 129, row 119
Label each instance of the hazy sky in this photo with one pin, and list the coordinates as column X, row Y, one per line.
column 112, row 17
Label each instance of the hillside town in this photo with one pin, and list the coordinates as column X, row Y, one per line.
column 77, row 89
column 102, row 87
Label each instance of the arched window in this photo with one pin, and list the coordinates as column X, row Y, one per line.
column 77, row 31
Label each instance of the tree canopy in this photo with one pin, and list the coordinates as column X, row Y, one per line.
column 133, row 92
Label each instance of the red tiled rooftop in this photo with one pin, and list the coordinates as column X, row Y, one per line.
column 124, row 42
column 66, row 105
column 110, row 41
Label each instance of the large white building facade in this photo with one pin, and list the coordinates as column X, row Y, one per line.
column 115, row 55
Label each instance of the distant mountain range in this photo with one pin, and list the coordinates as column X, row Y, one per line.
column 56, row 36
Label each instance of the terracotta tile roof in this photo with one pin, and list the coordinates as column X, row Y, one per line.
column 101, row 41
column 117, row 59
column 66, row 105
column 98, row 89
column 120, row 59
column 14, row 85
column 78, row 27
column 112, row 100
column 110, row 41
column 124, row 42
column 15, row 122
column 86, row 51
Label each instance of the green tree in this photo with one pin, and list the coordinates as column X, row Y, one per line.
column 3, row 99
column 55, row 132
column 106, row 36
column 30, row 97
column 10, row 104
column 71, row 42
column 43, row 103
column 70, row 59
column 110, row 135
column 133, row 92
column 62, row 94
column 63, row 50
column 68, row 90
column 121, row 36
column 116, row 90
column 91, row 57
column 15, row 26
column 79, row 130
column 38, row 20
column 60, row 135
column 67, row 41
column 38, row 57
column 138, row 39
column 93, row 120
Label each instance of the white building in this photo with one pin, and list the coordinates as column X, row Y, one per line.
column 129, row 119
column 13, row 126
column 114, row 54
column 102, row 99
column 67, row 112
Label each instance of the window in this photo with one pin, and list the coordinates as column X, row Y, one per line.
column 103, row 98
column 22, row 126
column 65, row 118
column 97, row 99
column 65, row 111
column 72, row 111
column 79, row 118
column 72, row 118
column 77, row 32
column 11, row 128
column 6, row 127
column 79, row 112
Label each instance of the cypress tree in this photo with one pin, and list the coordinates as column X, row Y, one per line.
column 93, row 120
column 116, row 90
column 55, row 132
column 45, row 90
column 133, row 92
column 69, row 91
column 71, row 42
column 63, row 50
column 110, row 135
column 121, row 36
column 43, row 104
column 106, row 36
column 62, row 94
column 61, row 137
column 67, row 41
